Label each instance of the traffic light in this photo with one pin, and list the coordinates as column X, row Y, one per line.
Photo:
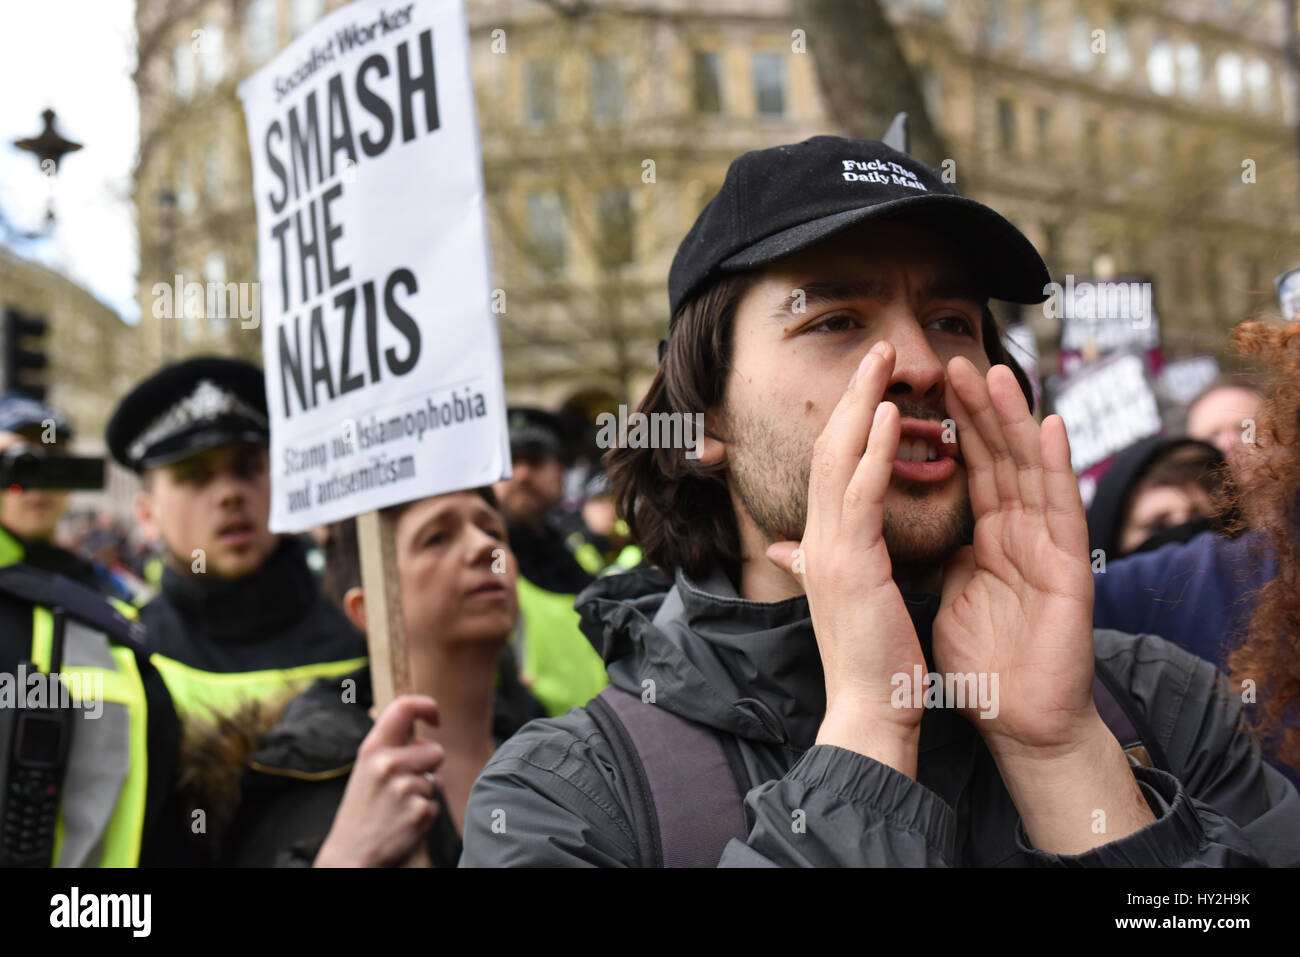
column 24, row 359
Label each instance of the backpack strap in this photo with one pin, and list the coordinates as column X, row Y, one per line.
column 688, row 802
column 38, row 587
column 1126, row 721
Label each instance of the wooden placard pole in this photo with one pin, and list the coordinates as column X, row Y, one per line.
column 390, row 665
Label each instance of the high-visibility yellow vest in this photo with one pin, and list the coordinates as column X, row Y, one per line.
column 557, row 663
column 101, row 817
column 101, row 814
column 198, row 693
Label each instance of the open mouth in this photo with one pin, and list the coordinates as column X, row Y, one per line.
column 916, row 450
column 922, row 454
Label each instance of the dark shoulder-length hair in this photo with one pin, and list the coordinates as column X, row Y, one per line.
column 679, row 509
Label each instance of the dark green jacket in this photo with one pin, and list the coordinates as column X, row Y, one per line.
column 752, row 671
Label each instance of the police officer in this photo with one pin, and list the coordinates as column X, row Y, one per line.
column 29, row 516
column 88, row 735
column 240, row 616
column 558, row 663
column 600, row 540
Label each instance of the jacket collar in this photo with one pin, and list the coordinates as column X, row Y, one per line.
column 272, row 598
column 751, row 668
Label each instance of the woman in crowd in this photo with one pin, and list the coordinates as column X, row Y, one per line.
column 326, row 786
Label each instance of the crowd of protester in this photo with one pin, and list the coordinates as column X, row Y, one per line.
column 754, row 593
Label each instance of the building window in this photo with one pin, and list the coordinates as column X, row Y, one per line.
column 1228, row 74
column 183, row 68
column 1254, row 284
column 769, row 83
column 1160, row 68
column 1259, row 81
column 1081, row 43
column 303, row 14
column 1127, row 150
column 606, row 88
column 1043, row 131
column 546, row 231
column 217, row 303
column 1189, row 69
column 187, row 199
column 931, row 91
column 539, row 92
column 212, row 174
column 995, row 25
column 706, row 70
column 259, row 30
column 1051, row 245
column 214, row 268
column 191, row 310
column 617, row 242
column 1213, row 285
column 1119, row 60
column 1092, row 145
column 212, row 58
column 1007, row 126
column 1035, row 45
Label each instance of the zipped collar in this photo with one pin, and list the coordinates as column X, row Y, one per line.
column 750, row 668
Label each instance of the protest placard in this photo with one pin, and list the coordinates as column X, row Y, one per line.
column 383, row 365
column 1106, row 407
column 1288, row 294
column 1102, row 316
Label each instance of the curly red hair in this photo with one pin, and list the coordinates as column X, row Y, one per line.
column 1270, row 653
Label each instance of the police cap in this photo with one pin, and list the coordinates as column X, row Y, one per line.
column 187, row 407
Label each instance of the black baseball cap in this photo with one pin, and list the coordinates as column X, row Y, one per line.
column 779, row 201
column 188, row 407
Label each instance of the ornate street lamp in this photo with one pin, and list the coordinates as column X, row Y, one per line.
column 49, row 147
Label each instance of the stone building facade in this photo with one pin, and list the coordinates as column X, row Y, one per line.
column 1148, row 138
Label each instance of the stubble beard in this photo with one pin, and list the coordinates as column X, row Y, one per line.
column 769, row 470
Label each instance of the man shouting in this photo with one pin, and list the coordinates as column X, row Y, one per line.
column 873, row 506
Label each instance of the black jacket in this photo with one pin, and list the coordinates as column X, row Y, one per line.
column 752, row 671
column 60, row 561
column 295, row 781
column 544, row 558
column 275, row 618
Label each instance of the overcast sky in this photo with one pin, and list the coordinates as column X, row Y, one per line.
column 75, row 56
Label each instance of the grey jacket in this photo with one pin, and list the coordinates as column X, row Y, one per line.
column 551, row 796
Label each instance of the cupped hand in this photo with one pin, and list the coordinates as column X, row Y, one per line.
column 1017, row 605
